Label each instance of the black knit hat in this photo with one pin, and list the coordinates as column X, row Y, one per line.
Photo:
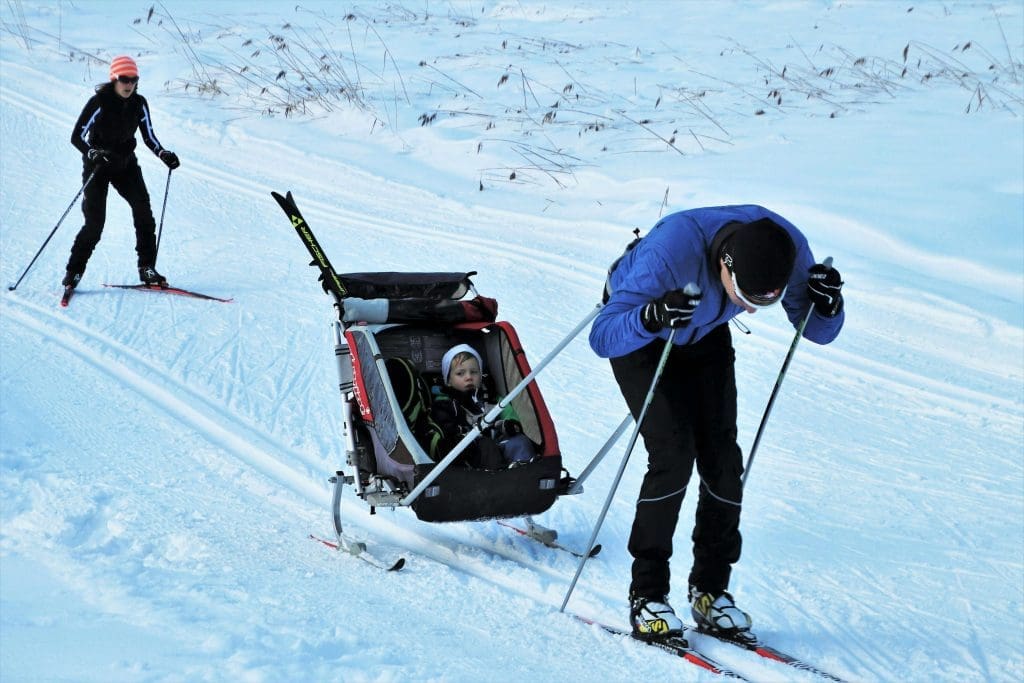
column 761, row 255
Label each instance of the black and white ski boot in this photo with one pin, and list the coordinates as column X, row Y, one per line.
column 654, row 619
column 70, row 281
column 718, row 614
column 151, row 278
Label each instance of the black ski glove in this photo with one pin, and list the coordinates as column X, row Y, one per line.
column 98, row 157
column 170, row 158
column 675, row 309
column 824, row 287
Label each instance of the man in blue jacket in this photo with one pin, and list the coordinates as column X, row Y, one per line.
column 694, row 272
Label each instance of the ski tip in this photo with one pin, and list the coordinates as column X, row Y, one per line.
column 594, row 551
column 397, row 565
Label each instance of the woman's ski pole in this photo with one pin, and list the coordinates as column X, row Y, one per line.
column 52, row 232
column 778, row 383
column 160, row 231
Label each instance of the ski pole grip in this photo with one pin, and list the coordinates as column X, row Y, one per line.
column 827, row 262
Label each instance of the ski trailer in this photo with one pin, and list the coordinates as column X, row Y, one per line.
column 391, row 332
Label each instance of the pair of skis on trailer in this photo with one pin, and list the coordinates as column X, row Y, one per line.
column 177, row 291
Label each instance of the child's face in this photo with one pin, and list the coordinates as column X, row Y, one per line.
column 465, row 376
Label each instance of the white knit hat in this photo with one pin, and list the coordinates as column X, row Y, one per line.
column 446, row 362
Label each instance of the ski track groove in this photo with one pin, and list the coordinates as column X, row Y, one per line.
column 154, row 383
column 973, row 647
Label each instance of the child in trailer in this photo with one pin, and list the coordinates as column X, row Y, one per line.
column 458, row 406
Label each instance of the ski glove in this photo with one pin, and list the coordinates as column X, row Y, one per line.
column 99, row 157
column 824, row 287
column 675, row 309
column 170, row 158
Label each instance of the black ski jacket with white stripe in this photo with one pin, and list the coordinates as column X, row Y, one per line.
column 109, row 122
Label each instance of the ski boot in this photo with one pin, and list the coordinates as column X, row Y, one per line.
column 717, row 614
column 151, row 278
column 70, row 281
column 653, row 619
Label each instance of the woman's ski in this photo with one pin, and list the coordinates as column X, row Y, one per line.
column 169, row 290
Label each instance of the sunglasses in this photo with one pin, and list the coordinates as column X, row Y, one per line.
column 128, row 79
column 760, row 300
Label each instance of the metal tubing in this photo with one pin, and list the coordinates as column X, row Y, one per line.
column 577, row 486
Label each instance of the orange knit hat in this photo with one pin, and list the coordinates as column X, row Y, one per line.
column 123, row 66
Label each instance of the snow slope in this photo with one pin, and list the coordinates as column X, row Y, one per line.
column 164, row 459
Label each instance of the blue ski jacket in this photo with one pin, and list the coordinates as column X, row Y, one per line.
column 677, row 251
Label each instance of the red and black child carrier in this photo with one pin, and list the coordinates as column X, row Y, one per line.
column 390, row 336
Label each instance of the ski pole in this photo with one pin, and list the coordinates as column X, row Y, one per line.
column 622, row 466
column 162, row 210
column 778, row 383
column 52, row 232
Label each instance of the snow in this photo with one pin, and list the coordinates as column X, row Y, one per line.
column 164, row 459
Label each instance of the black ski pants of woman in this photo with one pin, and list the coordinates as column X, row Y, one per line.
column 127, row 180
column 691, row 420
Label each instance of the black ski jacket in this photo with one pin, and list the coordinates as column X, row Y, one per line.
column 109, row 122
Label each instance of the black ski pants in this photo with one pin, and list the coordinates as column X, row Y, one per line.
column 127, row 180
column 691, row 419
